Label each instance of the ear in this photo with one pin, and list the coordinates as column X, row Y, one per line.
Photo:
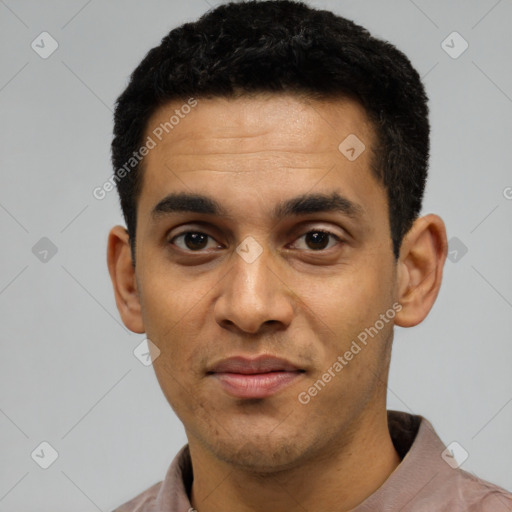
column 122, row 274
column 420, row 269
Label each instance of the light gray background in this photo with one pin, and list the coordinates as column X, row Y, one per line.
column 67, row 369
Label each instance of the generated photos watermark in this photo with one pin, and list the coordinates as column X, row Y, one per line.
column 158, row 133
column 337, row 366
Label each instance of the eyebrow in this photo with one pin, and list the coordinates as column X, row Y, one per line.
column 300, row 205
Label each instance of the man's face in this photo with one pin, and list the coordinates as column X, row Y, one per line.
column 288, row 291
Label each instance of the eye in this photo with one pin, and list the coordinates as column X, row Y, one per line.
column 196, row 241
column 192, row 241
column 318, row 239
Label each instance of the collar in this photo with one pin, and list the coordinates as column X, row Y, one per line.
column 414, row 439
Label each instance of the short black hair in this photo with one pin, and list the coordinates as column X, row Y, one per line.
column 277, row 46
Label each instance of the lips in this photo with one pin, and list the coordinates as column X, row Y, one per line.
column 261, row 377
column 246, row 366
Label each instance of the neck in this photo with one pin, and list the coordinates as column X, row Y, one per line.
column 338, row 480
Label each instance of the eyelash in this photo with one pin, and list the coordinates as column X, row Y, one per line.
column 330, row 233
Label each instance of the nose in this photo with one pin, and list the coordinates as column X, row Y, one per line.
column 254, row 297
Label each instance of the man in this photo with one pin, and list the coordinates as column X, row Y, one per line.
column 271, row 161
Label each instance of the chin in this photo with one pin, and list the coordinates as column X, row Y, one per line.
column 259, row 454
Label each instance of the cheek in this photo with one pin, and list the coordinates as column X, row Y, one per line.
column 174, row 316
column 351, row 300
column 168, row 299
column 350, row 306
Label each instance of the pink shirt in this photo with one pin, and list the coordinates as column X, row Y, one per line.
column 425, row 481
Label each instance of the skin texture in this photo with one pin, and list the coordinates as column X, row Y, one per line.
column 303, row 304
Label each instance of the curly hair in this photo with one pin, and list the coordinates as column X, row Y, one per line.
column 284, row 46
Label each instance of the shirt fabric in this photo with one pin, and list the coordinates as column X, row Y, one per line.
column 427, row 479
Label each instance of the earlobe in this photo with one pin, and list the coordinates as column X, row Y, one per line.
column 122, row 274
column 420, row 269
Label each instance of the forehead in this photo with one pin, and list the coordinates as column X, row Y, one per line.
column 273, row 145
column 276, row 121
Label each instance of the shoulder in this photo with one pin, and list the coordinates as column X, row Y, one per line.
column 425, row 480
column 470, row 493
column 169, row 494
column 143, row 502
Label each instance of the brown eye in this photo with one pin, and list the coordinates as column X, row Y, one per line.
column 192, row 241
column 318, row 240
